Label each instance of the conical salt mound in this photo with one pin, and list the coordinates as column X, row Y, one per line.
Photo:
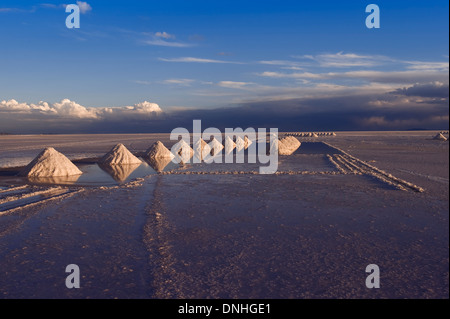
column 50, row 163
column 286, row 146
column 216, row 146
column 182, row 151
column 247, row 142
column 201, row 149
column 440, row 137
column 229, row 145
column 315, row 135
column 158, row 150
column 240, row 144
column 333, row 134
column 119, row 155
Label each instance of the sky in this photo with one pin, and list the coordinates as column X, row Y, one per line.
column 149, row 66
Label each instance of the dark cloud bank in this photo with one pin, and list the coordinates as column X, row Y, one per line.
column 416, row 107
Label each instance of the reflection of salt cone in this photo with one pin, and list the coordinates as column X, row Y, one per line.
column 119, row 172
column 158, row 163
column 63, row 180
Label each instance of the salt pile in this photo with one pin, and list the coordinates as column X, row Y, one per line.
column 158, row 150
column 216, row 146
column 240, row 144
column 314, row 135
column 183, row 151
column 247, row 141
column 286, row 146
column 119, row 155
column 229, row 145
column 50, row 163
column 201, row 149
column 440, row 137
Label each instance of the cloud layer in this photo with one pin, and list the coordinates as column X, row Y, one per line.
column 419, row 106
column 68, row 116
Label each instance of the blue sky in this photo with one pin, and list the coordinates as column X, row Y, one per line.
column 185, row 55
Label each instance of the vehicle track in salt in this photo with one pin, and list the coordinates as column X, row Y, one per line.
column 348, row 164
column 24, row 196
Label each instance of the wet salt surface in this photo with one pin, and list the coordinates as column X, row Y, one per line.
column 244, row 236
column 94, row 175
column 310, row 157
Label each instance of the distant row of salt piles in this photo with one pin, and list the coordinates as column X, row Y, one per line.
column 312, row 134
column 51, row 163
column 440, row 137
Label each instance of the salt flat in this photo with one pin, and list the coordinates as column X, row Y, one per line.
column 225, row 232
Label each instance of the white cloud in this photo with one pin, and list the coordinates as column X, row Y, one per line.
column 234, row 85
column 84, row 6
column 196, row 60
column 296, row 75
column 145, row 107
column 67, row 109
column 142, row 82
column 164, row 35
column 418, row 65
column 285, row 64
column 185, row 82
column 411, row 76
column 345, row 60
column 164, row 39
column 163, row 43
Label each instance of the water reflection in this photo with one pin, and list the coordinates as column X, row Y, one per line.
column 159, row 163
column 119, row 172
column 66, row 180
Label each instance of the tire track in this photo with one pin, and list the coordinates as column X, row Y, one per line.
column 29, row 197
column 356, row 166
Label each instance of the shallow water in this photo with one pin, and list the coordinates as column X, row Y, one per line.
column 310, row 157
column 31, row 199
column 237, row 235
